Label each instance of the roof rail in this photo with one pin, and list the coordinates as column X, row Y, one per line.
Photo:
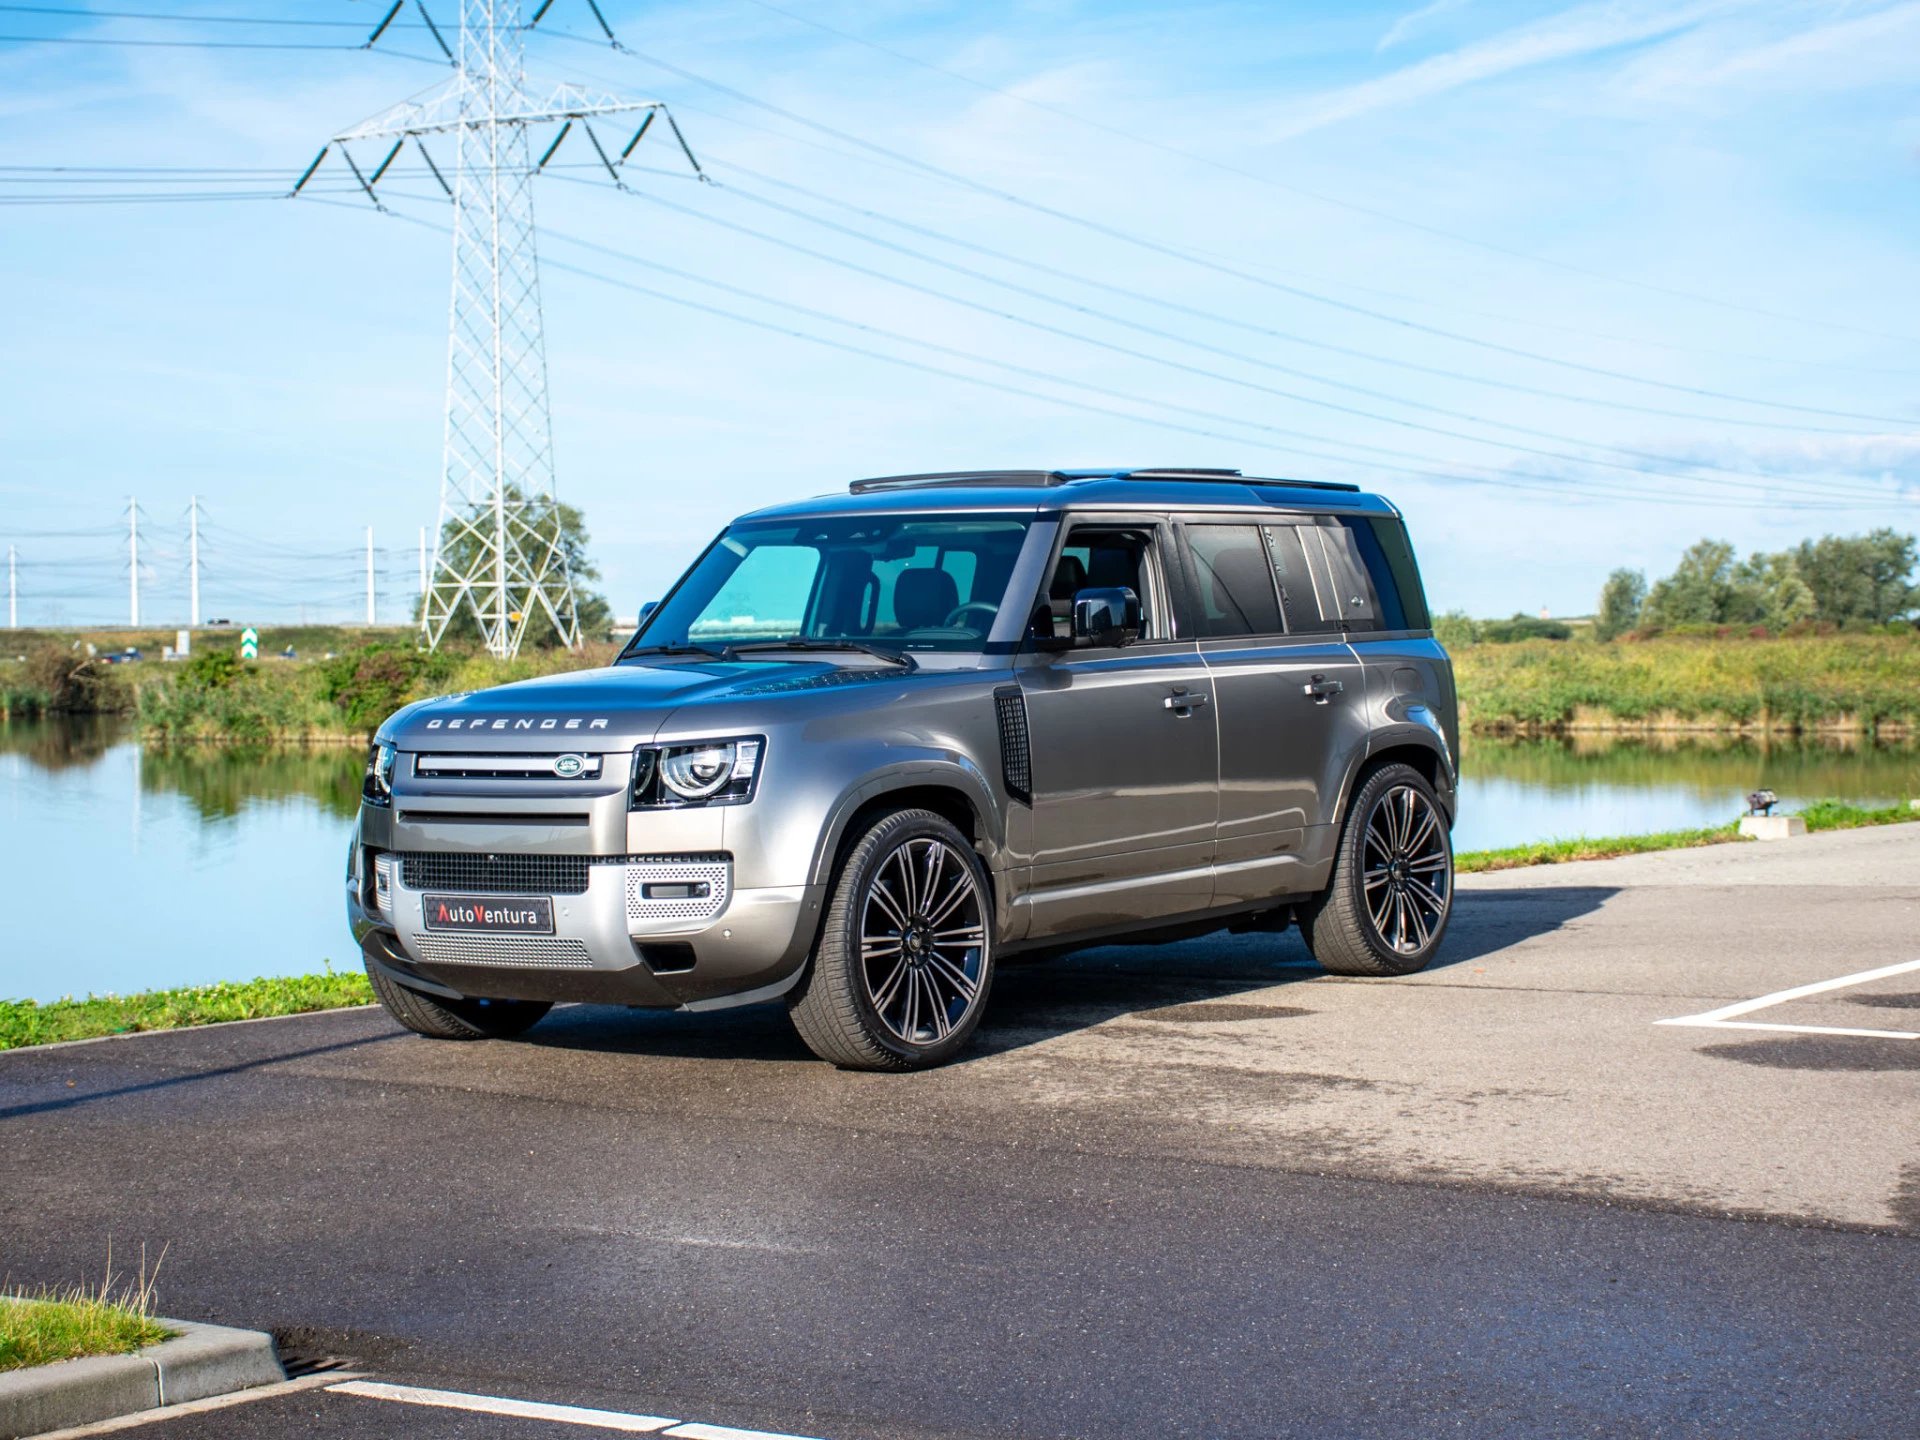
column 939, row 478
column 1178, row 472
column 1044, row 479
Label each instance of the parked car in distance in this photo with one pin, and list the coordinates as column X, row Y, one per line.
column 871, row 745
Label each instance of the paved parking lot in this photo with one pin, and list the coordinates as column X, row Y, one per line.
column 1200, row 1189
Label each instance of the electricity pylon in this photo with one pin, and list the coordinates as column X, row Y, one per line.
column 499, row 551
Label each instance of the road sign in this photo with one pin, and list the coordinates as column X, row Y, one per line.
column 249, row 644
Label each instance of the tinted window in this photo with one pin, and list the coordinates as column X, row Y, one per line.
column 1389, row 556
column 1235, row 581
column 1304, row 593
column 1354, row 595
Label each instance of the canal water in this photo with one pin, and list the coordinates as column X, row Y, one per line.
column 129, row 868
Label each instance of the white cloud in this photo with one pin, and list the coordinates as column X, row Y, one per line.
column 1843, row 54
column 1416, row 20
column 1583, row 30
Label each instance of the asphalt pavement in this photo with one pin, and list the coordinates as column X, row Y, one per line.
column 1198, row 1189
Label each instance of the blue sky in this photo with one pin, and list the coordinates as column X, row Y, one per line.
column 1474, row 201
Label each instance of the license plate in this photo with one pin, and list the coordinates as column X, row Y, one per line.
column 493, row 914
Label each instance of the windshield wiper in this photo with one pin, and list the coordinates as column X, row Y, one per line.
column 892, row 657
column 712, row 652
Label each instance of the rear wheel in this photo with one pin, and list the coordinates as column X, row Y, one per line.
column 443, row 1019
column 904, row 961
column 1387, row 905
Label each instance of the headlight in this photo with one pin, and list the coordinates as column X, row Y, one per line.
column 711, row 772
column 377, row 786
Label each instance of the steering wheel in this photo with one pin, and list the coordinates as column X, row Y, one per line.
column 957, row 619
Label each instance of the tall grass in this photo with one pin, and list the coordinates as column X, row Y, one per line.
column 48, row 1324
column 1869, row 683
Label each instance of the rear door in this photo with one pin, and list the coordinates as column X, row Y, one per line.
column 1290, row 698
column 1124, row 753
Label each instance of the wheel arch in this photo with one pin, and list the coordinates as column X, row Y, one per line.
column 1410, row 745
column 957, row 792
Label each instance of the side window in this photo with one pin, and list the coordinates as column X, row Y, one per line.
column 1305, row 596
column 1354, row 596
column 1235, row 580
column 1094, row 559
column 1389, row 556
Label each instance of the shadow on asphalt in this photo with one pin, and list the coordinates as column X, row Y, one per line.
column 194, row 1077
column 1198, row 980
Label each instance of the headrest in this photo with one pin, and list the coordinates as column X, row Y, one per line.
column 1069, row 578
column 923, row 597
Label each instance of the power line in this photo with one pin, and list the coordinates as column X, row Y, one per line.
column 1233, row 271
column 1205, row 373
column 1431, row 470
column 1215, row 317
column 1372, row 212
column 208, row 45
column 191, row 19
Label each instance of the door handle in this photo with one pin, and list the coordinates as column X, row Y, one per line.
column 1322, row 689
column 1183, row 701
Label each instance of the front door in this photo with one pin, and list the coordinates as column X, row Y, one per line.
column 1124, row 750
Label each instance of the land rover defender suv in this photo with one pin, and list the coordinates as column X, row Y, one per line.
column 872, row 745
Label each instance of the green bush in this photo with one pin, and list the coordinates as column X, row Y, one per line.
column 1524, row 627
column 368, row 685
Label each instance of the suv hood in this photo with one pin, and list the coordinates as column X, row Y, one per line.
column 609, row 709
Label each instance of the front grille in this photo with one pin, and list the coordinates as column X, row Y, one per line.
column 505, row 767
column 474, row 874
column 1015, row 763
column 537, row 952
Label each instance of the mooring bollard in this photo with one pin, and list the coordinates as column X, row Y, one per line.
column 1760, row 823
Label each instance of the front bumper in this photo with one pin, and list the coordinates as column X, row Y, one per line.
column 635, row 936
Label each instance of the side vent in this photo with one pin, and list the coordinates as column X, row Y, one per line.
column 1016, row 766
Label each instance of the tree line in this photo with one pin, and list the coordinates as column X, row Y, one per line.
column 1839, row 580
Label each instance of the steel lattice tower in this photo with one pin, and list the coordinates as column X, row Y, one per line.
column 498, row 551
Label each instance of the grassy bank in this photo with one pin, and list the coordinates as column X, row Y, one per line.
column 1821, row 815
column 1866, row 683
column 52, row 1325
column 26, row 1022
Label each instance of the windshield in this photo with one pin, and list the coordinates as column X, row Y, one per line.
column 905, row 583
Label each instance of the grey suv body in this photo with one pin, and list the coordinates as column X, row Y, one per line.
column 871, row 744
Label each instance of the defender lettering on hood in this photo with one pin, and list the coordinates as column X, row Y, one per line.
column 525, row 722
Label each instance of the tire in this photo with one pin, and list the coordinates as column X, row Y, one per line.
column 439, row 1019
column 901, row 970
column 1391, row 919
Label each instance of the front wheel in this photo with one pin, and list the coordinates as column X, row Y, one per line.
column 1387, row 905
column 901, row 970
column 442, row 1019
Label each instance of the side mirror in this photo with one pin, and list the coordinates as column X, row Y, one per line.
column 647, row 609
column 1106, row 618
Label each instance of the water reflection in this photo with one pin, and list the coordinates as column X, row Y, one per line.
column 1516, row 791
column 132, row 868
column 129, row 868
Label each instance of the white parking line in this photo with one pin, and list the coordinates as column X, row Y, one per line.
column 1724, row 1017
column 553, row 1414
column 500, row 1405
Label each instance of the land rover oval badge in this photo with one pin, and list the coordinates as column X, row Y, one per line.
column 569, row 766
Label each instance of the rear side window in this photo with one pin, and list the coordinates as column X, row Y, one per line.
column 1305, row 595
column 1354, row 597
column 1237, row 595
column 1389, row 556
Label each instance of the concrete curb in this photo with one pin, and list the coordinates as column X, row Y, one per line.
column 200, row 1361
